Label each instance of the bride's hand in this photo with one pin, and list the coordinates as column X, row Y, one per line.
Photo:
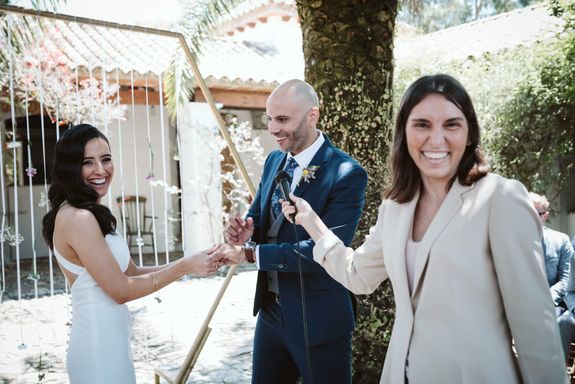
column 206, row 262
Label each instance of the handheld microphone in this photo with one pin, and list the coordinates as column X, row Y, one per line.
column 283, row 179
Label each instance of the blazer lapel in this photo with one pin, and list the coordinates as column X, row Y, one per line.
column 449, row 208
column 398, row 240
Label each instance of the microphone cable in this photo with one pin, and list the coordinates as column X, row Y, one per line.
column 303, row 303
column 283, row 179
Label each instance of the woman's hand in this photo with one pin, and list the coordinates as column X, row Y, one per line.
column 206, row 262
column 302, row 209
column 304, row 216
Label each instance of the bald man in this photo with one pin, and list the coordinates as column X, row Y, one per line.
column 334, row 184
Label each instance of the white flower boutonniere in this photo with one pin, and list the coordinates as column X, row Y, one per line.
column 308, row 173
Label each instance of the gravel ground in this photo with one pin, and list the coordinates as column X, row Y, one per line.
column 34, row 333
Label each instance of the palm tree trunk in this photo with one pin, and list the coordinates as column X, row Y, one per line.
column 348, row 50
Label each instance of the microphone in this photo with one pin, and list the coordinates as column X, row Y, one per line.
column 283, row 179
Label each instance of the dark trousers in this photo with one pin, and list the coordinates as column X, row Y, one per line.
column 279, row 360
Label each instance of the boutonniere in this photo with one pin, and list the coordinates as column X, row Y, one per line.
column 308, row 173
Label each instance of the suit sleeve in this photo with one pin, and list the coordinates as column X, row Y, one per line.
column 515, row 242
column 361, row 271
column 254, row 213
column 566, row 253
column 341, row 215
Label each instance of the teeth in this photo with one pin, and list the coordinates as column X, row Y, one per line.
column 98, row 181
column 436, row 155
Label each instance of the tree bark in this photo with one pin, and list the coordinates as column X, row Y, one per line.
column 348, row 50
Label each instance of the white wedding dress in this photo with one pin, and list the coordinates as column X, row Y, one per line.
column 99, row 348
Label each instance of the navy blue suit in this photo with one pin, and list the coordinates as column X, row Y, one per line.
column 337, row 196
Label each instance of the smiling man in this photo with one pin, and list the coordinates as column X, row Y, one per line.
column 334, row 184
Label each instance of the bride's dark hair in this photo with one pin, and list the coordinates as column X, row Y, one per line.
column 67, row 184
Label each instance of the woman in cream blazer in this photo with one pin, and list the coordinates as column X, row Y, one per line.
column 462, row 250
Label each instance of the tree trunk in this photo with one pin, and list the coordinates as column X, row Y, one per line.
column 348, row 46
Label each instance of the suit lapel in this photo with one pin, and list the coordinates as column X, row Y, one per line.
column 320, row 160
column 268, row 185
column 449, row 208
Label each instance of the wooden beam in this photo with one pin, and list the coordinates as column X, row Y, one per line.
column 230, row 98
column 123, row 79
column 233, row 98
column 139, row 97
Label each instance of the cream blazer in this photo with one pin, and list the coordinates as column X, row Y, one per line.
column 479, row 284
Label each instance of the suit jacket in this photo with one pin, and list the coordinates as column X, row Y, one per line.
column 557, row 252
column 479, row 283
column 337, row 195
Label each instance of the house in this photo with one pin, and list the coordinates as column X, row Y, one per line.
column 257, row 47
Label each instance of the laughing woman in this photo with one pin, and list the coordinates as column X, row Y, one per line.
column 96, row 260
column 462, row 250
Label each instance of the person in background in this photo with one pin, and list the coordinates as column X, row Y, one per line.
column 557, row 253
column 462, row 248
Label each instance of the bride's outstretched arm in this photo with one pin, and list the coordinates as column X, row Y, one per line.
column 84, row 237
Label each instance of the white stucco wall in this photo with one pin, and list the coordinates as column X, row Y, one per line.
column 200, row 177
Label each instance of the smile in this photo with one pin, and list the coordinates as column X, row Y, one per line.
column 98, row 181
column 435, row 155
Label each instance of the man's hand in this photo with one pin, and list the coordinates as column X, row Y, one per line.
column 231, row 254
column 206, row 262
column 239, row 231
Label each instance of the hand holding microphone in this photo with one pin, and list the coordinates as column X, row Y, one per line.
column 283, row 180
column 299, row 211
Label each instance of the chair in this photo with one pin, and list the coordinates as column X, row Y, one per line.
column 131, row 206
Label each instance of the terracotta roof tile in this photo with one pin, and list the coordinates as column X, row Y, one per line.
column 504, row 31
column 233, row 62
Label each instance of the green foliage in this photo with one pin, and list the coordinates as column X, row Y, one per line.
column 440, row 14
column 198, row 24
column 535, row 137
column 201, row 18
column 534, row 140
column 361, row 126
column 376, row 313
column 178, row 84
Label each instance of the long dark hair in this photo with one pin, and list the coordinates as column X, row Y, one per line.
column 405, row 177
column 67, row 184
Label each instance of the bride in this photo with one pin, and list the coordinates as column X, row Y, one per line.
column 96, row 260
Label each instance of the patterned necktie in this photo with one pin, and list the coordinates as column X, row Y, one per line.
column 277, row 195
